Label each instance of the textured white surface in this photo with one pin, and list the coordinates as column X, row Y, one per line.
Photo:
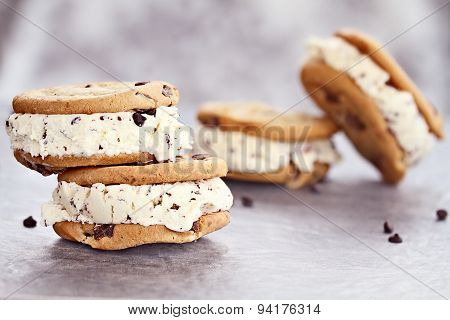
column 279, row 248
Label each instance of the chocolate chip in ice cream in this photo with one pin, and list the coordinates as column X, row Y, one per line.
column 247, row 202
column 103, row 230
column 29, row 222
column 387, row 228
column 395, row 238
column 138, row 119
column 7, row 123
column 75, row 120
column 137, row 84
column 87, row 86
column 441, row 214
column 175, row 207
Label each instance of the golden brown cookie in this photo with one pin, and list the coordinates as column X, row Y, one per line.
column 100, row 97
column 398, row 77
column 357, row 114
column 186, row 168
column 289, row 176
column 259, row 119
column 51, row 165
column 122, row 236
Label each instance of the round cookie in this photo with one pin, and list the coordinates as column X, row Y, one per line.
column 101, row 97
column 53, row 165
column 357, row 114
column 185, row 168
column 398, row 77
column 289, row 176
column 259, row 119
column 122, row 236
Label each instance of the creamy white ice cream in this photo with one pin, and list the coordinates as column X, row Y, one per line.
column 251, row 154
column 174, row 205
column 160, row 134
column 397, row 107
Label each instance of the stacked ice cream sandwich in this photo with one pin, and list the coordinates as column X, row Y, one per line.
column 262, row 145
column 122, row 179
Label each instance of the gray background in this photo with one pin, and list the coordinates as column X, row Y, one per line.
column 231, row 50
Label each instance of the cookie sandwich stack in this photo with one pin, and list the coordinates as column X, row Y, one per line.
column 364, row 90
column 122, row 180
column 261, row 145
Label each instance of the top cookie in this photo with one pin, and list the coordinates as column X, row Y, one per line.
column 100, row 97
column 185, row 168
column 398, row 77
column 259, row 119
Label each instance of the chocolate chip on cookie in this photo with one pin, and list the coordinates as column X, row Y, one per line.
column 29, row 222
column 103, row 230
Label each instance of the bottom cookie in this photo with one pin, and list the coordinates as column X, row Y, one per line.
column 289, row 175
column 122, row 236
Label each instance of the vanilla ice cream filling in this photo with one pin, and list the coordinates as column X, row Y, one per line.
column 174, row 205
column 397, row 107
column 156, row 131
column 250, row 154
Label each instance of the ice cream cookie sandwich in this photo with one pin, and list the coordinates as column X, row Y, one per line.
column 118, row 207
column 355, row 81
column 94, row 124
column 261, row 145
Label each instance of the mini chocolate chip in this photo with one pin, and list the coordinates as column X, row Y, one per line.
column 387, row 228
column 167, row 138
column 137, row 84
column 119, row 118
column 441, row 214
column 75, row 120
column 247, row 202
column 65, row 148
column 192, row 199
column 7, row 123
column 395, row 238
column 103, row 230
column 169, row 194
column 29, row 222
column 100, row 147
column 175, row 207
column 166, row 91
column 200, row 156
column 44, row 135
column 102, row 118
column 87, row 86
column 313, row 188
column 138, row 119
column 118, row 139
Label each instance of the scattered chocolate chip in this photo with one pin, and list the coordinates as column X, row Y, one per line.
column 138, row 119
column 87, row 86
column 247, row 202
column 119, row 118
column 100, row 147
column 441, row 214
column 166, row 91
column 65, row 148
column 137, row 84
column 44, row 135
column 75, row 120
column 167, row 138
column 29, row 222
column 354, row 122
column 192, row 199
column 103, row 230
column 200, row 156
column 7, row 123
column 395, row 238
column 102, row 118
column 313, row 188
column 169, row 194
column 387, row 228
column 118, row 139
column 175, row 207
